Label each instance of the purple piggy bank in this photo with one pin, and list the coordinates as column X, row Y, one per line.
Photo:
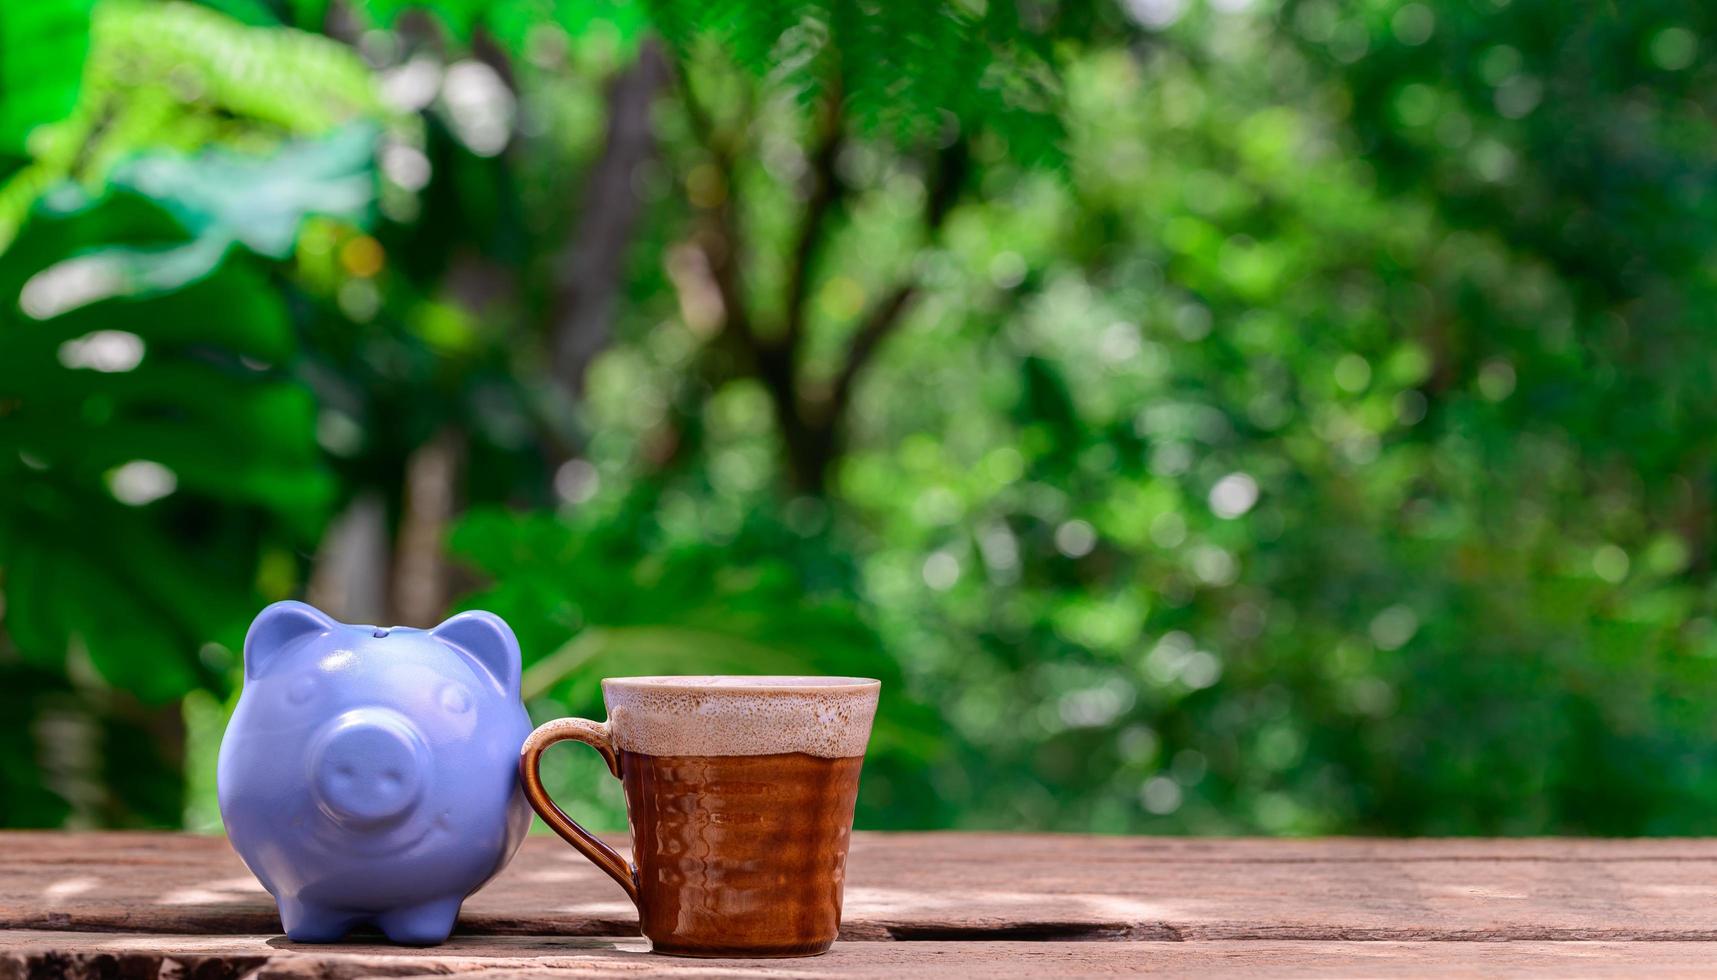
column 370, row 776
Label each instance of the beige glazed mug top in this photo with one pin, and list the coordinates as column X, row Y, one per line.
column 828, row 717
column 740, row 793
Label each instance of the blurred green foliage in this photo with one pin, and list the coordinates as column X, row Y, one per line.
column 1284, row 416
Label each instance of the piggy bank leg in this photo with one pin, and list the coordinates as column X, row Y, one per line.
column 421, row 925
column 308, row 923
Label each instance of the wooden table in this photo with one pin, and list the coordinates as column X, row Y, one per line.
column 990, row 905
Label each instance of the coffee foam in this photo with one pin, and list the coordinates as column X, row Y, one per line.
column 828, row 717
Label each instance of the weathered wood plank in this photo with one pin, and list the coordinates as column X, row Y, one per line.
column 87, row 956
column 946, row 887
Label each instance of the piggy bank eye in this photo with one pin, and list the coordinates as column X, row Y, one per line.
column 302, row 690
column 454, row 698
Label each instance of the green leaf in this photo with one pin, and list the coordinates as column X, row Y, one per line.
column 165, row 78
column 905, row 71
column 199, row 392
column 42, row 49
column 260, row 200
column 221, row 198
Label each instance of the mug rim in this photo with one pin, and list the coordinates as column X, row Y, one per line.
column 749, row 683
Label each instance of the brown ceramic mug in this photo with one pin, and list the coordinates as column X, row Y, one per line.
column 740, row 794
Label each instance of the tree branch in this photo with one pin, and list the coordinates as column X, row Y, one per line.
column 826, row 192
column 721, row 241
column 949, row 174
column 720, row 237
column 812, row 438
column 876, row 326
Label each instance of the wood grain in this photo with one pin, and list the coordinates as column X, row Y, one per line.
column 953, row 887
column 86, row 956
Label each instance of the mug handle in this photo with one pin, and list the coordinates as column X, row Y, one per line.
column 594, row 734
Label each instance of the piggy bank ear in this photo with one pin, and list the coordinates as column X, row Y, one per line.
column 278, row 627
column 487, row 639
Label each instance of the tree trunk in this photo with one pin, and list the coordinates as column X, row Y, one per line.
column 420, row 591
column 592, row 270
column 349, row 580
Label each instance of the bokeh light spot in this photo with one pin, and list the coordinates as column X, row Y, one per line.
column 1233, row 495
column 1155, row 14
column 108, row 351
column 1674, row 48
column 1413, row 24
column 1393, row 627
column 1352, row 373
column 362, row 256
column 1610, row 563
column 576, row 481
column 1496, row 380
column 941, row 571
column 1075, row 539
column 140, row 482
column 1160, row 795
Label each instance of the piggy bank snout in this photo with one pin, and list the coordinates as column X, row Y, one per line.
column 369, row 767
